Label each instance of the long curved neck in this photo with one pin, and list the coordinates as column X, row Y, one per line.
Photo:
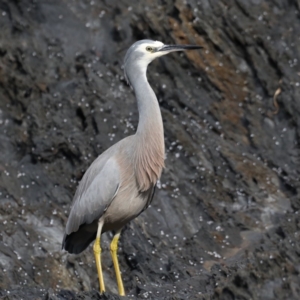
column 150, row 119
column 149, row 147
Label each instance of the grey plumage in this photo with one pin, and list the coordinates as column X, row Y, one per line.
column 120, row 183
column 100, row 185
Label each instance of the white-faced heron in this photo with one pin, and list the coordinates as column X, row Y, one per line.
column 120, row 183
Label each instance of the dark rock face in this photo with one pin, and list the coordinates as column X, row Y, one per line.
column 224, row 223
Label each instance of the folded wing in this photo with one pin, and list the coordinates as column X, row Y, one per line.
column 96, row 191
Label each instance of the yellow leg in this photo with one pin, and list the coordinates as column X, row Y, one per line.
column 97, row 253
column 113, row 252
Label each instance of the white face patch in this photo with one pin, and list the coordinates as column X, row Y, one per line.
column 149, row 56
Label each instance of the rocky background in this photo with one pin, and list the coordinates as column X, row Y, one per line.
column 224, row 223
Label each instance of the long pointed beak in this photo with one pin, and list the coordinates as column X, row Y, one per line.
column 171, row 48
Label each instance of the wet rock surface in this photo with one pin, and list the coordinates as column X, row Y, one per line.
column 224, row 222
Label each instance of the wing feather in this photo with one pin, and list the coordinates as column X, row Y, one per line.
column 97, row 189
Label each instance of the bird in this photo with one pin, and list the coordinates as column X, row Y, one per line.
column 120, row 183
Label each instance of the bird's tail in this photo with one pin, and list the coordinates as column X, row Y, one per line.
column 78, row 241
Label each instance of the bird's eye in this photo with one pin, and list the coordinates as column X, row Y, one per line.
column 149, row 49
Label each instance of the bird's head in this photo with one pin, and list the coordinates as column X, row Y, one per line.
column 143, row 52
